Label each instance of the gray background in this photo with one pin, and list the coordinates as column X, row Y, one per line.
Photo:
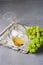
column 26, row 12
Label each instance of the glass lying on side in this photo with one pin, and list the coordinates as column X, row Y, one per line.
column 15, row 38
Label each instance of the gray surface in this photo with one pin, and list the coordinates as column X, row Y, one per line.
column 26, row 12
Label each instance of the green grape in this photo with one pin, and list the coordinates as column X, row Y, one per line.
column 30, row 37
column 33, row 36
column 41, row 40
column 38, row 35
column 30, row 32
column 33, row 50
column 38, row 45
column 31, row 28
column 41, row 33
column 37, row 28
column 29, row 47
column 33, row 46
column 33, row 41
column 34, row 31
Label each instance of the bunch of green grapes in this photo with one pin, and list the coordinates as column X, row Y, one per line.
column 35, row 34
column 35, row 44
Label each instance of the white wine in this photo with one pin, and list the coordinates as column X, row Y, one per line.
column 18, row 41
